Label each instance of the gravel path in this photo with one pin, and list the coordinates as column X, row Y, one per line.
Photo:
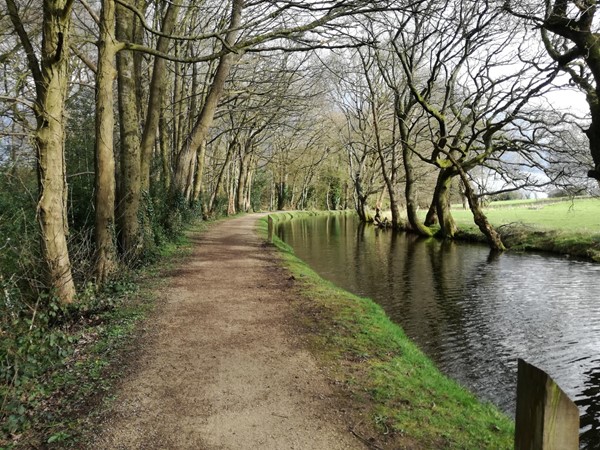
column 223, row 367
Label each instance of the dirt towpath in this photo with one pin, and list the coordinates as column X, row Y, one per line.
column 221, row 367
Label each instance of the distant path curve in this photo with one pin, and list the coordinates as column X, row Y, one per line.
column 221, row 367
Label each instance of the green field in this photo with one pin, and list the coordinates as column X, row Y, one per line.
column 568, row 227
column 578, row 215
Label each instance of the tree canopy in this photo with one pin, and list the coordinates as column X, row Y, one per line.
column 122, row 119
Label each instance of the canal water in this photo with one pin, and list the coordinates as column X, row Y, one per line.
column 473, row 312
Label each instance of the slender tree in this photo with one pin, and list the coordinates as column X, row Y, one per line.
column 104, row 200
column 199, row 133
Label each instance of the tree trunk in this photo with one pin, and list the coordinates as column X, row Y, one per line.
column 176, row 103
column 410, row 194
column 243, row 177
column 396, row 223
column 282, row 194
column 51, row 87
column 361, row 199
column 388, row 177
column 189, row 185
column 442, row 204
column 165, row 153
column 104, row 236
column 248, row 194
column 130, row 194
column 155, row 100
column 202, row 126
column 492, row 236
column 361, row 208
column 197, row 197
column 593, row 133
column 231, row 190
column 431, row 217
column 215, row 193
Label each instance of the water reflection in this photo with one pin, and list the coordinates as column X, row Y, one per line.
column 474, row 312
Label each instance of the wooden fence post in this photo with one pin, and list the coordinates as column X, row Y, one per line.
column 546, row 418
column 270, row 233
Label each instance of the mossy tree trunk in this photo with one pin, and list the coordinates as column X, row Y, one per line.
column 104, row 230
column 51, row 76
column 361, row 199
column 410, row 193
column 128, row 205
column 492, row 236
column 442, row 204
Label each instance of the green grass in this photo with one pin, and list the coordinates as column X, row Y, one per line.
column 579, row 215
column 408, row 400
column 567, row 227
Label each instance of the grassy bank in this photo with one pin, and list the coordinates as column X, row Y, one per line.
column 408, row 402
column 569, row 227
column 67, row 361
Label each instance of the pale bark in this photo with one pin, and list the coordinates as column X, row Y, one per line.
column 198, row 191
column 165, row 153
column 155, row 100
column 243, row 176
column 248, row 197
column 104, row 233
column 231, row 190
column 202, row 126
column 230, row 150
column 129, row 199
column 51, row 78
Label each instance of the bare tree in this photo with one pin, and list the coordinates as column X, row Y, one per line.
column 50, row 73
column 569, row 32
column 471, row 90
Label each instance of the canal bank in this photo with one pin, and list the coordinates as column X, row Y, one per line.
column 408, row 402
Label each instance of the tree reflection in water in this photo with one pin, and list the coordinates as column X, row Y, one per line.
column 473, row 312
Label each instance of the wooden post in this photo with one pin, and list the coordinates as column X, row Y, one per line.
column 546, row 418
column 270, row 234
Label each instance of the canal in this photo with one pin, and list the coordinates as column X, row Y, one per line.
column 473, row 312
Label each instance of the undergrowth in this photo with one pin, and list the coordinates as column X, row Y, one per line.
column 55, row 359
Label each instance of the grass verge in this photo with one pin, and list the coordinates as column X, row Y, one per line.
column 408, row 401
column 50, row 405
